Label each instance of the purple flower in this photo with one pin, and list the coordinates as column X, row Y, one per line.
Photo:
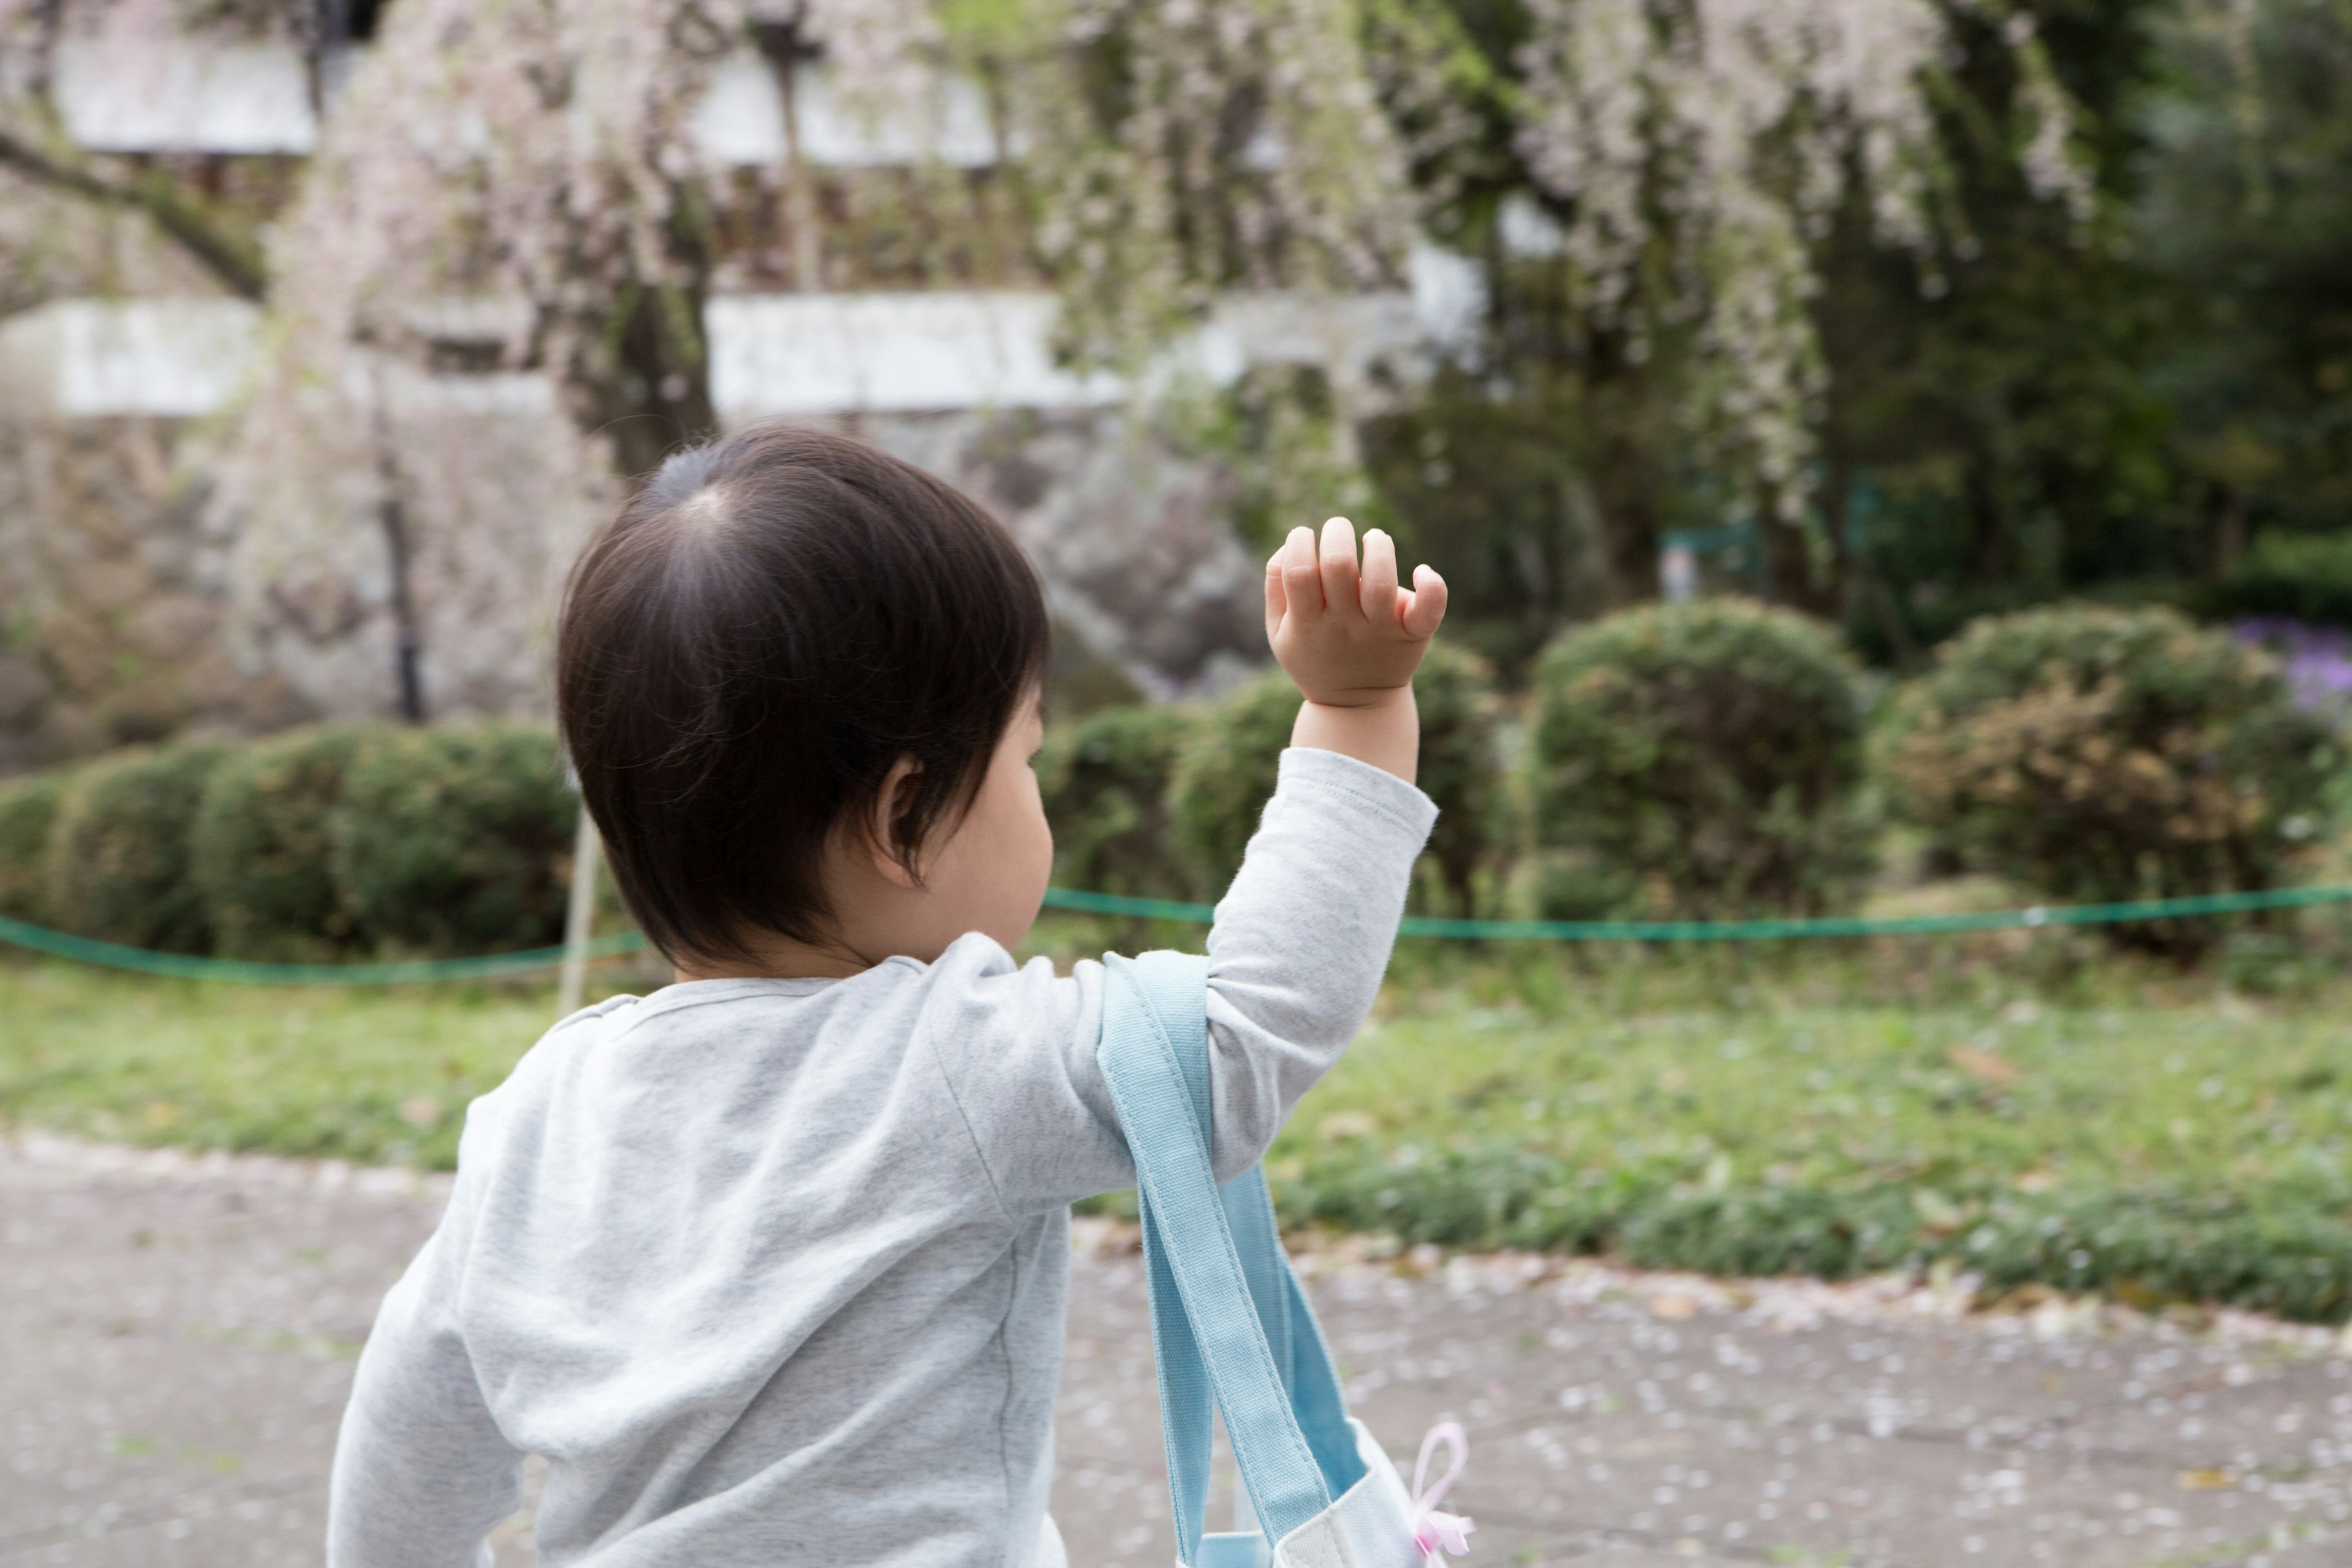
column 2316, row 660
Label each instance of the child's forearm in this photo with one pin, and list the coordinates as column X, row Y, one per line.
column 1302, row 937
column 1384, row 731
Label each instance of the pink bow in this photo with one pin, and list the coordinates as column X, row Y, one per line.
column 1430, row 1527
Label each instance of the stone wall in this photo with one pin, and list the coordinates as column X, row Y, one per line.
column 136, row 604
column 1129, row 535
column 495, row 494
column 112, row 602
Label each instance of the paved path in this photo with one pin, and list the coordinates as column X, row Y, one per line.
column 176, row 1334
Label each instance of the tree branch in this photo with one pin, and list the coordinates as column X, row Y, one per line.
column 205, row 229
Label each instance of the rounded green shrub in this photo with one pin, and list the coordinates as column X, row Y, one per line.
column 28, row 808
column 1228, row 769
column 1105, row 780
column 457, row 841
column 263, row 847
column 1699, row 760
column 1226, row 774
column 1461, row 769
column 119, row 862
column 2097, row 755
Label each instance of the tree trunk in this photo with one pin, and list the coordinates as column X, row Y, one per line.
column 2229, row 530
column 659, row 400
column 641, row 378
column 1627, row 521
column 784, row 50
column 1802, row 569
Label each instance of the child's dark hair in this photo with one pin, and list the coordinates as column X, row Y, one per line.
column 771, row 623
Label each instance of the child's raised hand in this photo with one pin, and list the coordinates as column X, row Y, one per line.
column 1350, row 638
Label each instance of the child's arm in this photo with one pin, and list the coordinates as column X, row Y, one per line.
column 422, row 1475
column 1301, row 938
column 1351, row 640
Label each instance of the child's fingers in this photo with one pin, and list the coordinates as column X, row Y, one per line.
column 1421, row 609
column 1302, row 579
column 1277, row 601
column 1378, row 594
column 1338, row 562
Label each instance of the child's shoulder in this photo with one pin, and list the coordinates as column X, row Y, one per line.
column 608, row 1007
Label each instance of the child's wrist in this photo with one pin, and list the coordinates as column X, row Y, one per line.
column 1384, row 730
column 1360, row 700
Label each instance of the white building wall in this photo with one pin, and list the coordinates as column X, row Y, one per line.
column 903, row 353
column 188, row 94
column 82, row 359
column 772, row 354
column 198, row 93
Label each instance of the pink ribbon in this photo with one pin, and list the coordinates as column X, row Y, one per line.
column 1430, row 1527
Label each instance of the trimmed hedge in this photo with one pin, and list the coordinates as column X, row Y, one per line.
column 118, row 859
column 457, row 841
column 2099, row 755
column 1227, row 775
column 322, row 844
column 1461, row 769
column 1228, row 772
column 1699, row 760
column 29, row 807
column 262, row 848
column 1105, row 781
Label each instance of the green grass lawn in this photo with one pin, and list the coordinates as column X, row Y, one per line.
column 363, row 1074
column 2024, row 1109
column 2164, row 1147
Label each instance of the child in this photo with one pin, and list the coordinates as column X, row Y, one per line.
column 771, row 1266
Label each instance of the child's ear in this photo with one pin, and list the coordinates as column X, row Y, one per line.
column 890, row 805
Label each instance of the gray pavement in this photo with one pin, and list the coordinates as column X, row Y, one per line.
column 178, row 1336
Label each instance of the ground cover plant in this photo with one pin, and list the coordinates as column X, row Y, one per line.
column 2027, row 1108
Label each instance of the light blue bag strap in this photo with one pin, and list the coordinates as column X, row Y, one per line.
column 1136, row 999
column 1291, row 1330
column 1207, row 1332
column 1173, row 986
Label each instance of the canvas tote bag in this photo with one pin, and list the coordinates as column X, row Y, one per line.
column 1230, row 1326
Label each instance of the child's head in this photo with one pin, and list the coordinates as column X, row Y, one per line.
column 799, row 679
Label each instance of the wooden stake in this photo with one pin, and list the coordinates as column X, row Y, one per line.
column 578, row 917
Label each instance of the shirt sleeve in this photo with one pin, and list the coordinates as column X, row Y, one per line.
column 421, row 1474
column 1300, row 941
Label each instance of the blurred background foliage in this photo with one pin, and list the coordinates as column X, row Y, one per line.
column 1903, row 335
column 2147, row 397
column 2019, row 302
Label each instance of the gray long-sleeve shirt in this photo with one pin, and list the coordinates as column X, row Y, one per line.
column 773, row 1271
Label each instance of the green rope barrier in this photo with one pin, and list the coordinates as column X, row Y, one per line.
column 189, row 966
column 413, row 972
column 1765, row 930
